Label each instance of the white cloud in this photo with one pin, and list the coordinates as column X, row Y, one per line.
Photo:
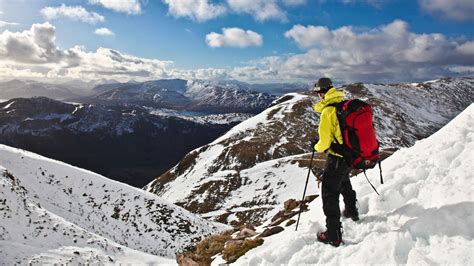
column 464, row 70
column 467, row 48
column 77, row 13
column 4, row 23
column 234, row 37
column 389, row 53
column 34, row 46
column 461, row 10
column 131, row 7
column 198, row 10
column 104, row 32
column 34, row 52
column 261, row 10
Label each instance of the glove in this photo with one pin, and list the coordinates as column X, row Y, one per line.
column 319, row 176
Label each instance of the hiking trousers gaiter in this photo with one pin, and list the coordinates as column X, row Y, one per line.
column 335, row 182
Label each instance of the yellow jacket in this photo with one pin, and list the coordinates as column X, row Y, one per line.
column 328, row 130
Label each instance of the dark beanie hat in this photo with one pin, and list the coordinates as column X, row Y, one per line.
column 323, row 85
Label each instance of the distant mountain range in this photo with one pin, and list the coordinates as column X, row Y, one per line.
column 28, row 88
column 241, row 177
column 182, row 95
column 131, row 131
column 128, row 143
column 156, row 93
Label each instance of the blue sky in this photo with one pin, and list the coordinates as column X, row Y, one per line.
column 270, row 40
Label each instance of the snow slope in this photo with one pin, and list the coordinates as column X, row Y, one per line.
column 51, row 212
column 423, row 216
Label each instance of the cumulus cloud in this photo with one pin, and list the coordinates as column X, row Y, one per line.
column 4, row 23
column 77, row 13
column 234, row 37
column 112, row 63
column 461, row 10
column 387, row 53
column 261, row 10
column 34, row 46
column 131, row 7
column 34, row 53
column 104, row 32
column 198, row 10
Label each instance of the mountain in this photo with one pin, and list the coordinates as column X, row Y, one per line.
column 52, row 212
column 29, row 88
column 196, row 96
column 128, row 143
column 423, row 215
column 87, row 85
column 276, row 89
column 243, row 176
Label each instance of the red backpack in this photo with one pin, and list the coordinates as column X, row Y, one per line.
column 360, row 146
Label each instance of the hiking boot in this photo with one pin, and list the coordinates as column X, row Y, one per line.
column 323, row 237
column 353, row 214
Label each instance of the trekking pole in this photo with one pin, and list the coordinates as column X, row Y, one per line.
column 304, row 192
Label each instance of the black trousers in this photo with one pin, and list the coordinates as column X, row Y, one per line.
column 335, row 182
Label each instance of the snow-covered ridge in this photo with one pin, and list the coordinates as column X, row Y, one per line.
column 48, row 207
column 422, row 217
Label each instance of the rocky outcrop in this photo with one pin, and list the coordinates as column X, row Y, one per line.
column 232, row 244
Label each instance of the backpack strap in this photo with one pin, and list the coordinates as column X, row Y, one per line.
column 338, row 147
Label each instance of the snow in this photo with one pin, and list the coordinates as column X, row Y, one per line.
column 423, row 216
column 8, row 105
column 52, row 212
column 260, row 119
column 201, row 118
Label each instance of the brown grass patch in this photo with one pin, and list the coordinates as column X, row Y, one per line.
column 272, row 113
column 232, row 252
column 216, row 191
column 209, row 247
column 187, row 162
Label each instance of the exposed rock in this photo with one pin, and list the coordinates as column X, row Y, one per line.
column 182, row 260
column 233, row 243
column 278, row 215
column 232, row 252
column 310, row 198
column 290, row 204
column 244, row 233
column 290, row 222
column 271, row 231
column 283, row 218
